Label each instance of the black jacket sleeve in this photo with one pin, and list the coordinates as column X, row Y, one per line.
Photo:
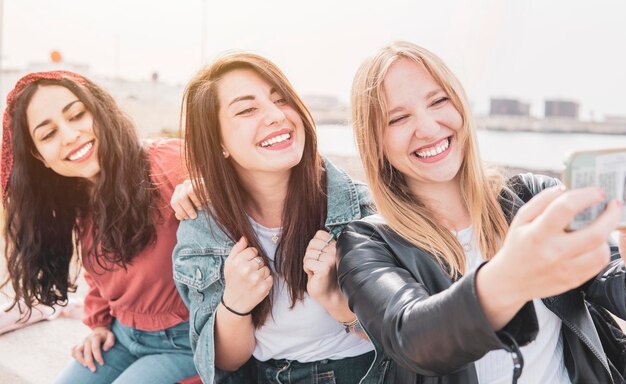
column 430, row 333
column 608, row 289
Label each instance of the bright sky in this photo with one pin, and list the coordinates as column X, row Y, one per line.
column 527, row 49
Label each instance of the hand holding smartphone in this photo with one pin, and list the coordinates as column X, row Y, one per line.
column 605, row 168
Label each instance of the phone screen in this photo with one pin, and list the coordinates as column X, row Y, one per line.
column 600, row 168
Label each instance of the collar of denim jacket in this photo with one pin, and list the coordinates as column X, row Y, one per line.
column 343, row 197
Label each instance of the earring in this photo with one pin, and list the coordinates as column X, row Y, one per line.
column 225, row 154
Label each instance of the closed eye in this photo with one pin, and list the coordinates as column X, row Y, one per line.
column 48, row 135
column 440, row 101
column 398, row 119
column 78, row 116
column 246, row 111
column 281, row 101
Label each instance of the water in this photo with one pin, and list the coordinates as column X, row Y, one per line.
column 529, row 150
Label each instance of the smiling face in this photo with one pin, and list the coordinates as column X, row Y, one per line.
column 62, row 130
column 422, row 137
column 260, row 131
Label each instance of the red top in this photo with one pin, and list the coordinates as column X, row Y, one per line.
column 144, row 295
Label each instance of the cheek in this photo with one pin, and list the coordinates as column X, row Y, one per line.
column 394, row 142
column 454, row 119
column 228, row 134
column 45, row 154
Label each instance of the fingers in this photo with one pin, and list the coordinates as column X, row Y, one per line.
column 77, row 354
column 585, row 266
column 265, row 273
column 529, row 211
column 88, row 353
column 186, row 208
column 323, row 235
column 191, row 194
column 184, row 201
column 258, row 261
column 596, row 233
column 319, row 262
column 239, row 246
column 108, row 342
column 561, row 211
column 97, row 351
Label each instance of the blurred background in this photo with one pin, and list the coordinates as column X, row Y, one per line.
column 544, row 78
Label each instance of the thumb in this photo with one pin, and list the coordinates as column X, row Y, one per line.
column 538, row 204
column 109, row 341
column 307, row 269
column 239, row 246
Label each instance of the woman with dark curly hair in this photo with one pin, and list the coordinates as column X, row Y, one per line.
column 77, row 180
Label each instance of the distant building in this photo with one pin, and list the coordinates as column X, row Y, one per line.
column 508, row 107
column 615, row 119
column 561, row 108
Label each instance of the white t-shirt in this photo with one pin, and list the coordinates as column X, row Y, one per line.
column 543, row 357
column 304, row 333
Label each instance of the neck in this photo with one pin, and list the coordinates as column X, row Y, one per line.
column 268, row 192
column 446, row 201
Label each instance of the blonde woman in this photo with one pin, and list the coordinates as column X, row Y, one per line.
column 462, row 278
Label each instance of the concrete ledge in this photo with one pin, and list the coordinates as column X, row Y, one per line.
column 37, row 353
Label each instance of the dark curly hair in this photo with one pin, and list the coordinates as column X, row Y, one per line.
column 47, row 214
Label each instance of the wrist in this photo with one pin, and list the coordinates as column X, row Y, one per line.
column 235, row 311
column 336, row 304
column 353, row 326
column 498, row 294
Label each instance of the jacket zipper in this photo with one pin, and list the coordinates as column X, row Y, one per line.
column 591, row 348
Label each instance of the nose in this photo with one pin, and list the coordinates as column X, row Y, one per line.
column 273, row 115
column 69, row 134
column 427, row 126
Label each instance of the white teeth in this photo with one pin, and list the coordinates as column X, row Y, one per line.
column 275, row 140
column 82, row 152
column 433, row 151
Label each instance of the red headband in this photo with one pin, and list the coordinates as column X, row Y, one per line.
column 7, row 129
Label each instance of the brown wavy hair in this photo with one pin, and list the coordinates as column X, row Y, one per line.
column 47, row 214
column 304, row 209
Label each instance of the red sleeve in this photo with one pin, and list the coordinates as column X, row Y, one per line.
column 167, row 162
column 96, row 311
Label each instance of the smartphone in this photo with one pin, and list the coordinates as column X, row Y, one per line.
column 604, row 168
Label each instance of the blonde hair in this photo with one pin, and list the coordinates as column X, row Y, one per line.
column 403, row 211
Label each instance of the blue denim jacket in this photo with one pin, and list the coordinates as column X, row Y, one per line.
column 203, row 247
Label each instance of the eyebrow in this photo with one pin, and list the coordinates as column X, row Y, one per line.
column 428, row 96
column 249, row 97
column 47, row 121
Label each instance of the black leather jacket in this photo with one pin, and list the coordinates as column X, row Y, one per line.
column 433, row 328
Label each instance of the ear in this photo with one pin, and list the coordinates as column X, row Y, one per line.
column 37, row 156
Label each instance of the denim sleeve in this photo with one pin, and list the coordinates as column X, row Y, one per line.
column 197, row 269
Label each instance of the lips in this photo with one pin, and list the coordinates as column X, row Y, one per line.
column 276, row 138
column 81, row 152
column 433, row 150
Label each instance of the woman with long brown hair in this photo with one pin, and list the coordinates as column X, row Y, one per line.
column 464, row 277
column 77, row 180
column 257, row 267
